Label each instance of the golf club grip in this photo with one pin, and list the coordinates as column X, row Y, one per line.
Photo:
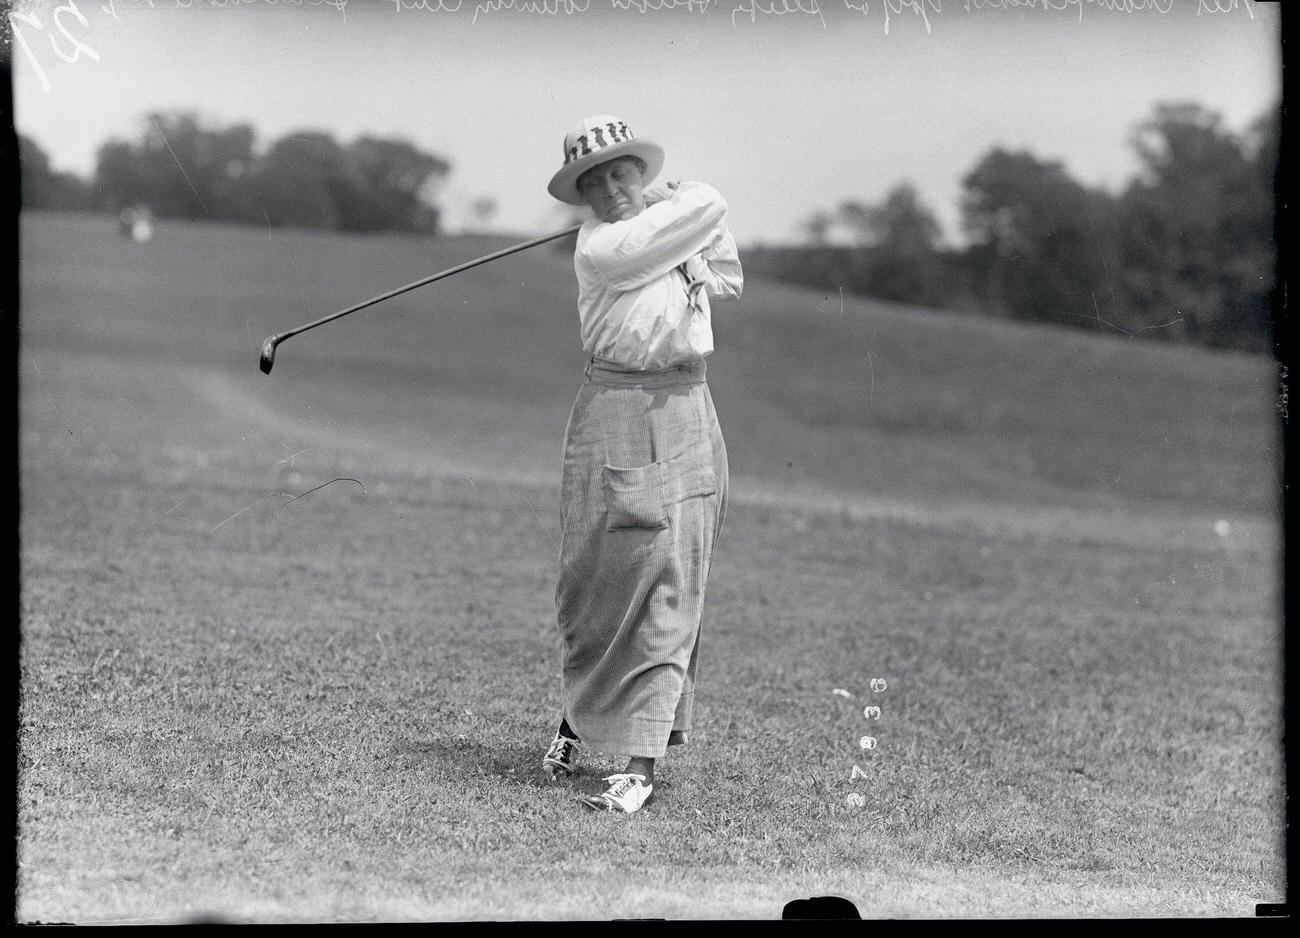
column 430, row 279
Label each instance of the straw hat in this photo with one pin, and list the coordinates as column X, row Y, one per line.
column 598, row 140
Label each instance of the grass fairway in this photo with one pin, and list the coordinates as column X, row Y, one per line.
column 333, row 707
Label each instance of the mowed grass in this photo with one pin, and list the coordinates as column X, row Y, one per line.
column 333, row 707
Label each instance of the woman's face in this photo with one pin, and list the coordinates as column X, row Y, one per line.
column 613, row 189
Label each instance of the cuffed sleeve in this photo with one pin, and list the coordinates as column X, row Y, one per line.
column 718, row 267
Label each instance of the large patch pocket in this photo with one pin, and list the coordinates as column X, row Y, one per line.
column 640, row 496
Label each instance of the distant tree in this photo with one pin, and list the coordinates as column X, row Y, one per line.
column 893, row 247
column 891, row 251
column 42, row 187
column 1263, row 143
column 393, row 177
column 301, row 181
column 855, row 218
column 904, row 233
column 176, row 159
column 121, row 179
column 903, row 222
column 181, row 168
column 483, row 209
column 1198, row 238
column 231, row 158
column 1043, row 240
column 818, row 226
column 1187, row 250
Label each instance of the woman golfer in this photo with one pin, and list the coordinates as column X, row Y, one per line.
column 645, row 468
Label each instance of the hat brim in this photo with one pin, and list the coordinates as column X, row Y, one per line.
column 564, row 184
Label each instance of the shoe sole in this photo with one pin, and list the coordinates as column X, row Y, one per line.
column 605, row 808
column 596, row 803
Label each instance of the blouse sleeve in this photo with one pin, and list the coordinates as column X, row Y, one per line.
column 718, row 267
column 631, row 253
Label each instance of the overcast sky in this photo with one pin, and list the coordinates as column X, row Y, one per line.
column 784, row 114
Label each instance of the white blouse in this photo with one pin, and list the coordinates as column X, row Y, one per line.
column 644, row 283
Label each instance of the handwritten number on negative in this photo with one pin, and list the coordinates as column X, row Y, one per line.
column 78, row 47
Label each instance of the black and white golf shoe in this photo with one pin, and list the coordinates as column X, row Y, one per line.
column 627, row 794
column 559, row 760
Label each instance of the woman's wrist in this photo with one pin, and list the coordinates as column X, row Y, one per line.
column 659, row 193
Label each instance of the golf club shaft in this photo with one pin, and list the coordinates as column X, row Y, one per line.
column 276, row 339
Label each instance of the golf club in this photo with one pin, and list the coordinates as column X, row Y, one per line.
column 268, row 347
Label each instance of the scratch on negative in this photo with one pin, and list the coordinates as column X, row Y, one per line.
column 871, row 390
column 1172, row 322
column 546, row 531
column 1102, row 254
column 170, row 510
column 291, row 498
column 46, row 385
column 1097, row 309
column 254, row 505
column 292, row 456
column 178, row 163
column 541, row 522
column 1121, row 330
column 321, row 486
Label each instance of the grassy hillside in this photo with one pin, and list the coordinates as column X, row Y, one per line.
column 332, row 707
column 857, row 397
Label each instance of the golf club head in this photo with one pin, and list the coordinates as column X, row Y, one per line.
column 268, row 353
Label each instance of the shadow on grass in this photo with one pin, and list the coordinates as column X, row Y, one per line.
column 461, row 757
column 456, row 758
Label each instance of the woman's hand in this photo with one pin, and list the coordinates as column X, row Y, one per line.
column 659, row 193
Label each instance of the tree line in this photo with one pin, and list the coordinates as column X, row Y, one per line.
column 179, row 168
column 1186, row 251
